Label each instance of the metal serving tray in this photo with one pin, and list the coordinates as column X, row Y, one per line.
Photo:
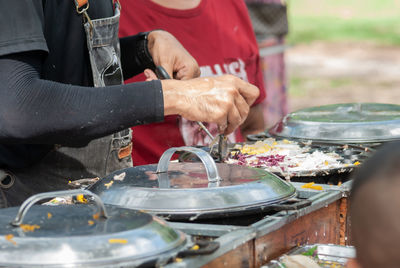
column 328, row 255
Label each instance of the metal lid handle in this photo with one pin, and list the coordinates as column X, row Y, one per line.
column 28, row 203
column 208, row 161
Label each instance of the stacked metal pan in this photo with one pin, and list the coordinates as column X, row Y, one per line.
column 84, row 235
column 355, row 123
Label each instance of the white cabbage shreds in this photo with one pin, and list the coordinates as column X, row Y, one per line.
column 285, row 157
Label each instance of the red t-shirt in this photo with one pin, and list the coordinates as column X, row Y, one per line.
column 219, row 35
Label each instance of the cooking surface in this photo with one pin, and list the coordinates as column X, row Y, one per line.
column 288, row 158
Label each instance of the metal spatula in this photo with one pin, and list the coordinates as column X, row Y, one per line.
column 219, row 147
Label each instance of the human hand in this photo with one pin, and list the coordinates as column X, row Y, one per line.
column 167, row 52
column 150, row 75
column 224, row 100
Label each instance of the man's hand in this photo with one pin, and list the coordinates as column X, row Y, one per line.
column 167, row 52
column 224, row 100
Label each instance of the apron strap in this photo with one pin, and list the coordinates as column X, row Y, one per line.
column 81, row 6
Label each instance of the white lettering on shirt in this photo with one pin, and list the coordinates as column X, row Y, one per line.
column 236, row 68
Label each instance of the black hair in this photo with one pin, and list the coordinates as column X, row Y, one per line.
column 374, row 201
column 386, row 160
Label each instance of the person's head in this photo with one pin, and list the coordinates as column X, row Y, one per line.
column 375, row 210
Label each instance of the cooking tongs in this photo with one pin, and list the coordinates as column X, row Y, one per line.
column 219, row 144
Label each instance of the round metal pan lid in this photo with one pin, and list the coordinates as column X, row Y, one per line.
column 187, row 188
column 342, row 123
column 80, row 236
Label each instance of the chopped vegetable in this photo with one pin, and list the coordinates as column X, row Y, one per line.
column 311, row 252
column 117, row 241
column 66, row 200
column 299, row 261
column 195, row 247
column 108, row 185
column 29, row 228
column 285, row 157
column 90, row 222
column 49, row 215
column 81, row 199
column 120, row 177
column 96, row 216
column 356, row 163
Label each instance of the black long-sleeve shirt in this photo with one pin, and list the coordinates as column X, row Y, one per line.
column 33, row 110
column 46, row 93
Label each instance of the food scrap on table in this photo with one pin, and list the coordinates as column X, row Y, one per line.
column 312, row 186
column 9, row 238
column 49, row 215
column 90, row 222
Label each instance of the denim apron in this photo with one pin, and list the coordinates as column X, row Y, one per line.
column 101, row 156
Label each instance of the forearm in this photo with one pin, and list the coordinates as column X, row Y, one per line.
column 33, row 110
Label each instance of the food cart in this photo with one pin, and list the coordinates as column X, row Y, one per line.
column 214, row 214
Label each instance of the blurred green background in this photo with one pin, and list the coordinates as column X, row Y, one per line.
column 343, row 51
column 376, row 21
